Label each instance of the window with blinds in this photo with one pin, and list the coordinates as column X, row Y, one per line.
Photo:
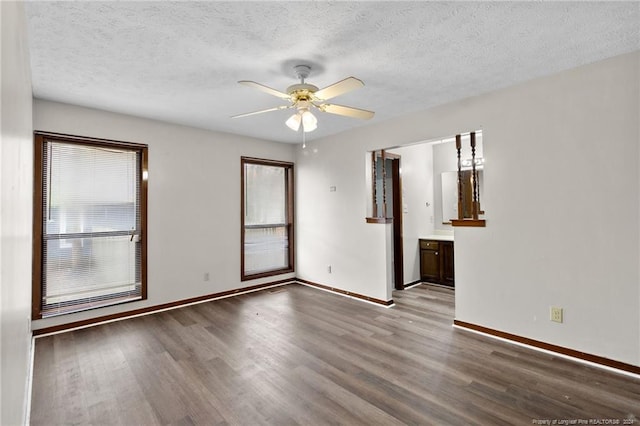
column 267, row 218
column 89, row 224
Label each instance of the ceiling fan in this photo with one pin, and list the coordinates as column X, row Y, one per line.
column 304, row 97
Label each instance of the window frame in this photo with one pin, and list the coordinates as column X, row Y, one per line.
column 40, row 137
column 289, row 222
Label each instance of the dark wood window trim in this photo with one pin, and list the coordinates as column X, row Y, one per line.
column 38, row 215
column 289, row 223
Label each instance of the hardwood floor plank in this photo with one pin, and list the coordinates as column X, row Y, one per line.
column 299, row 356
column 360, row 411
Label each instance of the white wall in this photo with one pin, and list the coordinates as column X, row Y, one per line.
column 561, row 195
column 193, row 205
column 417, row 190
column 330, row 226
column 16, row 177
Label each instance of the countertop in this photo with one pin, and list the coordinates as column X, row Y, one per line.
column 439, row 237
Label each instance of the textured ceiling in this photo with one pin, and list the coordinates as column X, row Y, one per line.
column 180, row 61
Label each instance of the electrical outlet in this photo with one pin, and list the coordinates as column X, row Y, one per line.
column 329, row 269
column 556, row 314
column 206, row 276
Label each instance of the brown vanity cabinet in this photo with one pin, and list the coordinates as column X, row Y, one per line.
column 436, row 262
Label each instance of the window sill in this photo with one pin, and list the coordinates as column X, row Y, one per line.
column 88, row 306
column 480, row 223
column 264, row 274
column 379, row 219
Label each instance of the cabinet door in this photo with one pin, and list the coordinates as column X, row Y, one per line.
column 430, row 265
column 447, row 268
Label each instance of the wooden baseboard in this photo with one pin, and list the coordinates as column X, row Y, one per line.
column 552, row 348
column 412, row 284
column 450, row 287
column 156, row 308
column 462, row 324
column 205, row 298
column 346, row 293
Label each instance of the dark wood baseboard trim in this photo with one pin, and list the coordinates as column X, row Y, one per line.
column 411, row 284
column 205, row 298
column 346, row 293
column 450, row 287
column 552, row 348
column 152, row 309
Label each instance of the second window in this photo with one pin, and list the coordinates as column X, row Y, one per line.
column 267, row 218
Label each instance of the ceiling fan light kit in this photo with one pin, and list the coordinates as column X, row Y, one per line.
column 294, row 122
column 309, row 121
column 306, row 118
column 304, row 97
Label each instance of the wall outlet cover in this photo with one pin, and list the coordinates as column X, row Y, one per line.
column 556, row 314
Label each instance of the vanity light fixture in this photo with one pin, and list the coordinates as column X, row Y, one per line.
column 467, row 163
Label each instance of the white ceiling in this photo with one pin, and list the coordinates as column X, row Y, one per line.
column 180, row 61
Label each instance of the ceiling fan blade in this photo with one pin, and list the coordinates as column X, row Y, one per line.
column 262, row 110
column 336, row 89
column 347, row 111
column 265, row 89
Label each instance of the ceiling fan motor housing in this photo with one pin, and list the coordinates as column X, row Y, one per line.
column 301, row 92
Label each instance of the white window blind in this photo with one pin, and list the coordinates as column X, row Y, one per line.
column 92, row 225
column 267, row 225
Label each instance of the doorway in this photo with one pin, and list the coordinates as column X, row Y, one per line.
column 398, row 243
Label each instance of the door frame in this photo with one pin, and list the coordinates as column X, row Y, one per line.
column 398, row 241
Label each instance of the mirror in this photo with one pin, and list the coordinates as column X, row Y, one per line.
column 449, row 182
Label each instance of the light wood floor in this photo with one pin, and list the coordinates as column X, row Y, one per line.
column 296, row 355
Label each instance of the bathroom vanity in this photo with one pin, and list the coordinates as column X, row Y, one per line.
column 436, row 260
